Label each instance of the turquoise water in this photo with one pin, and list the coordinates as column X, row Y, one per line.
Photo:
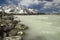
column 41, row 27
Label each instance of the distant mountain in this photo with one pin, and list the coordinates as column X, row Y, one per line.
column 18, row 10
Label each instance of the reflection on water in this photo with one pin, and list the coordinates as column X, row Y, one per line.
column 42, row 27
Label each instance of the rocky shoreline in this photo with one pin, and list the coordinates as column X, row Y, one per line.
column 12, row 29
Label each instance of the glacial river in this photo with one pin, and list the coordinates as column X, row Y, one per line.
column 41, row 27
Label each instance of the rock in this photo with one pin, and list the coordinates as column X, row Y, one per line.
column 12, row 28
column 13, row 38
column 20, row 33
column 21, row 26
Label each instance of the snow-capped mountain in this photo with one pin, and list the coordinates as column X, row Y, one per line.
column 44, row 6
column 17, row 9
column 0, row 8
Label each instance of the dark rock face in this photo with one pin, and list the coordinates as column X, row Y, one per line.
column 10, row 27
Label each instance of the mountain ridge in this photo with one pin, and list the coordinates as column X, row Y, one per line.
column 18, row 9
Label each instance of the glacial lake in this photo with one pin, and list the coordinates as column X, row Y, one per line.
column 41, row 27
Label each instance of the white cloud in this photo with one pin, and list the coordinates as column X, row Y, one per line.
column 56, row 0
column 9, row 1
column 12, row 1
column 29, row 2
column 54, row 4
column 46, row 4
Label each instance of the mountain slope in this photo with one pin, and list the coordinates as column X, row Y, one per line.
column 18, row 10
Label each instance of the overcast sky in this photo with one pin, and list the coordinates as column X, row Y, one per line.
column 41, row 5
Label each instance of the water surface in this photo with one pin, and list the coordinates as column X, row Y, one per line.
column 41, row 27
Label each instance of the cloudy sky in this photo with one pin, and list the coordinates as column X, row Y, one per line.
column 46, row 6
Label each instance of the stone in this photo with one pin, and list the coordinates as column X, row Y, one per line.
column 12, row 29
column 13, row 38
